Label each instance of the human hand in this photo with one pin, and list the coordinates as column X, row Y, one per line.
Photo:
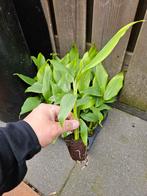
column 43, row 120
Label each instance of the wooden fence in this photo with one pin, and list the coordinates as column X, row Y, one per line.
column 96, row 21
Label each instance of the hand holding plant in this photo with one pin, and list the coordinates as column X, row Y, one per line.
column 43, row 120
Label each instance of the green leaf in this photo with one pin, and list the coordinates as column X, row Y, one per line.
column 64, row 84
column 67, row 104
column 74, row 53
column 98, row 114
column 104, row 107
column 26, row 79
column 40, row 73
column 35, row 88
column 99, row 101
column 55, row 88
column 89, row 117
column 111, row 100
column 57, row 94
column 94, row 91
column 101, row 77
column 56, row 75
column 65, row 59
column 89, row 55
column 65, row 134
column 46, row 88
column 84, row 81
column 29, row 104
column 59, row 67
column 114, row 86
column 74, row 66
column 39, row 61
column 92, row 52
column 107, row 49
column 85, row 102
column 85, row 59
column 84, row 132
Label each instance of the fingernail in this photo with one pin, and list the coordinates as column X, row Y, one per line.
column 75, row 124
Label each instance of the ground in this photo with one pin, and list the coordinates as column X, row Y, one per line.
column 117, row 163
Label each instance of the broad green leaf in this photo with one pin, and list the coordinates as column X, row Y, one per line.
column 99, row 101
column 34, row 59
column 40, row 73
column 56, row 75
column 101, row 77
column 89, row 117
column 46, row 87
column 84, row 132
column 74, row 53
column 84, row 81
column 85, row 59
column 104, row 107
column 98, row 114
column 35, row 88
column 65, row 59
column 57, row 94
column 67, row 104
column 111, row 100
column 56, row 99
column 39, row 61
column 58, row 66
column 29, row 104
column 74, row 66
column 55, row 88
column 88, row 56
column 26, row 79
column 107, row 49
column 86, row 102
column 96, row 86
column 64, row 84
column 94, row 91
column 114, row 86
column 92, row 52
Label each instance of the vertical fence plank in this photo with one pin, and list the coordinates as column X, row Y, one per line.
column 71, row 23
column 46, row 10
column 81, row 25
column 135, row 88
column 108, row 17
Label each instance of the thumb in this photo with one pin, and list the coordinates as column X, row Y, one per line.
column 69, row 125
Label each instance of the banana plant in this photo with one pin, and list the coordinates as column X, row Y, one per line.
column 78, row 84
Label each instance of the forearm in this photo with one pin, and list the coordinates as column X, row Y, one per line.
column 18, row 143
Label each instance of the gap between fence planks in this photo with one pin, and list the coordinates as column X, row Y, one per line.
column 135, row 88
column 46, row 10
column 108, row 17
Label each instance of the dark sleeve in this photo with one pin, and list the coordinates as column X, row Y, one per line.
column 18, row 143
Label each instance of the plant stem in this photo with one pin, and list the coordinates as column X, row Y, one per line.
column 76, row 132
column 90, row 125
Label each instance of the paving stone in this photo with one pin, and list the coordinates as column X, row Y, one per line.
column 117, row 162
column 2, row 124
column 49, row 169
column 21, row 190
